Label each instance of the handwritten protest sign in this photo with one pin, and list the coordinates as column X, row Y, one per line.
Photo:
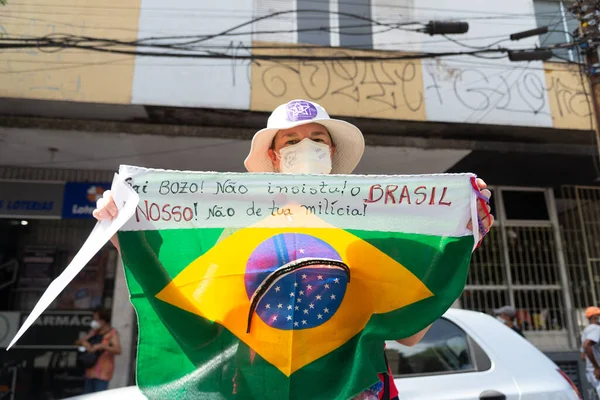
column 272, row 285
column 283, row 283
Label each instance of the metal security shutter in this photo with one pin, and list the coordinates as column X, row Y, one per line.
column 571, row 368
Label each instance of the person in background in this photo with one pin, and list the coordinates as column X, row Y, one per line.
column 507, row 316
column 301, row 138
column 102, row 340
column 590, row 339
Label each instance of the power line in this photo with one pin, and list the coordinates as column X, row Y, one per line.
column 128, row 61
column 162, row 10
column 557, row 14
column 186, row 15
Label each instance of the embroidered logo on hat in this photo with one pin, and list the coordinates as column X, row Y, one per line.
column 300, row 110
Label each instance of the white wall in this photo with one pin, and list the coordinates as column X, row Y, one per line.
column 194, row 82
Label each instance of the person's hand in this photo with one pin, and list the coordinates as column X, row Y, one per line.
column 106, row 209
column 85, row 344
column 597, row 373
column 97, row 347
column 481, row 211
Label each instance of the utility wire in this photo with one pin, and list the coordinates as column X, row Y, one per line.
column 227, row 12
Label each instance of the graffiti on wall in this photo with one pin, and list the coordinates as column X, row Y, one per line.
column 371, row 89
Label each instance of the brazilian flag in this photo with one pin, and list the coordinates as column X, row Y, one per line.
column 291, row 290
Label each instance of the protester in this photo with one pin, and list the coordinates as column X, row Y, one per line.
column 101, row 345
column 301, row 138
column 590, row 339
column 507, row 315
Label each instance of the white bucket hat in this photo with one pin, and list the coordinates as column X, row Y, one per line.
column 348, row 139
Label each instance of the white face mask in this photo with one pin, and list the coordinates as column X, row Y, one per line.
column 95, row 324
column 306, row 157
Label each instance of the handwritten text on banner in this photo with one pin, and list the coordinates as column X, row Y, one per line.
column 184, row 200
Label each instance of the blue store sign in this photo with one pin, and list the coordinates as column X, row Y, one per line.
column 80, row 198
column 23, row 199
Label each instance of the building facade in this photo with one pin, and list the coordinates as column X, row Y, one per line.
column 72, row 116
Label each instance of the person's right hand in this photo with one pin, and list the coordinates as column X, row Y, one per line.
column 597, row 373
column 106, row 209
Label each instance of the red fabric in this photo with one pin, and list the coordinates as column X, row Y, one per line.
column 393, row 389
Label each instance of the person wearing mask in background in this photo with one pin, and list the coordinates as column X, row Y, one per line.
column 590, row 339
column 507, row 316
column 101, row 345
column 301, row 138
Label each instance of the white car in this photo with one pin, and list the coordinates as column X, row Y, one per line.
column 468, row 355
column 465, row 355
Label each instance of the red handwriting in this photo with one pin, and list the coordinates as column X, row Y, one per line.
column 167, row 212
column 418, row 196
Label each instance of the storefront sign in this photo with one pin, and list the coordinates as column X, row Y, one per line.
column 9, row 325
column 80, row 198
column 30, row 199
column 55, row 329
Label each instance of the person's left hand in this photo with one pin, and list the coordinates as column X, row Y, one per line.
column 487, row 222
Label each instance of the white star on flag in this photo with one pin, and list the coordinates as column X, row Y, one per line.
column 309, row 287
column 326, row 286
column 274, row 317
column 296, row 323
column 295, row 284
column 289, row 318
column 333, row 297
column 337, row 280
column 268, row 306
column 301, row 292
column 311, row 305
column 320, row 277
column 289, row 307
column 296, row 308
column 303, row 322
column 303, row 276
column 318, row 297
column 299, row 300
column 305, row 311
column 301, row 251
column 319, row 316
column 277, row 288
column 292, row 294
column 326, row 310
column 279, row 305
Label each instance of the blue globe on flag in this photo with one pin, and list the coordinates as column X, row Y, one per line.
column 306, row 296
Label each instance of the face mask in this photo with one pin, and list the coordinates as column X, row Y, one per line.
column 95, row 324
column 306, row 157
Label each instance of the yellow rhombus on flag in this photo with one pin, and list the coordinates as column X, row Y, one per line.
column 213, row 286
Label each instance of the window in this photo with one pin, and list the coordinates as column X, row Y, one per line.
column 525, row 205
column 445, row 349
column 555, row 15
